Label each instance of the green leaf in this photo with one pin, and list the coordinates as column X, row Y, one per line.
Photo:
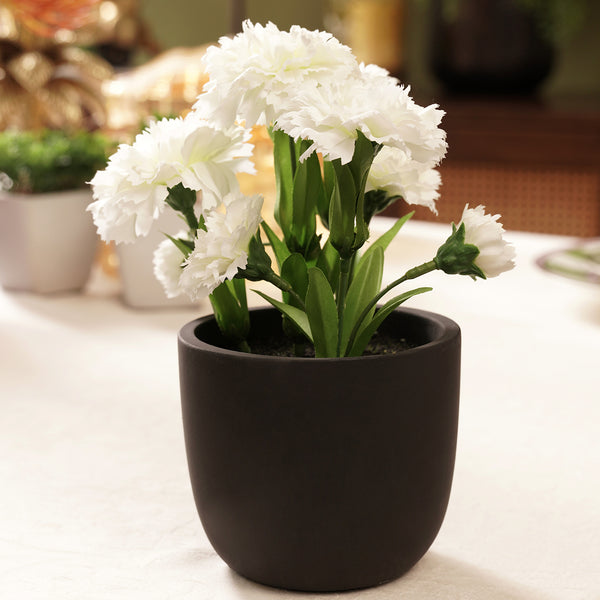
column 322, row 314
column 296, row 315
column 329, row 262
column 362, row 232
column 328, row 184
column 231, row 316
column 315, row 187
column 295, row 272
column 312, row 250
column 258, row 266
column 284, row 158
column 280, row 250
column 370, row 327
column 364, row 152
column 185, row 246
column 342, row 210
column 238, row 286
column 304, row 209
column 385, row 239
column 347, row 223
column 365, row 285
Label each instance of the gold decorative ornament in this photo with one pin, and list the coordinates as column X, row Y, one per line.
column 44, row 80
column 44, row 18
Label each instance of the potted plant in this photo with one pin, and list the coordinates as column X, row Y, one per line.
column 320, row 433
column 47, row 238
column 500, row 46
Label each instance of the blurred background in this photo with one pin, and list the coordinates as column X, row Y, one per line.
column 576, row 67
column 519, row 80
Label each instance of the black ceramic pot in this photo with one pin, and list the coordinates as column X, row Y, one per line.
column 321, row 474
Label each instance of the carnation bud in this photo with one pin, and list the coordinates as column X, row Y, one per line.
column 455, row 256
column 476, row 247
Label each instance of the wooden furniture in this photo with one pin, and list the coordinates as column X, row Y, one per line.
column 537, row 162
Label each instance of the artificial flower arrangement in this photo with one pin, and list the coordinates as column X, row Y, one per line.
column 348, row 141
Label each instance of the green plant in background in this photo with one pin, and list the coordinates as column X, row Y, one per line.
column 50, row 160
column 558, row 20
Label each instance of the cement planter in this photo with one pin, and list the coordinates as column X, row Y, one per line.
column 47, row 241
column 140, row 288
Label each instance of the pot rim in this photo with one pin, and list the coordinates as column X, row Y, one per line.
column 448, row 329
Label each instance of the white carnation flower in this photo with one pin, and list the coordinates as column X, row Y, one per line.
column 309, row 85
column 483, row 230
column 130, row 193
column 124, row 211
column 222, row 249
column 207, row 158
column 411, row 127
column 394, row 172
column 368, row 100
column 254, row 75
column 168, row 265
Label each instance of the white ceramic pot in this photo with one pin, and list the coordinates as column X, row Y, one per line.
column 140, row 288
column 47, row 241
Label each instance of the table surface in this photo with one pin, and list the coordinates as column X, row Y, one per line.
column 95, row 499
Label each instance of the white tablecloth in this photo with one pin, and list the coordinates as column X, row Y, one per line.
column 95, row 500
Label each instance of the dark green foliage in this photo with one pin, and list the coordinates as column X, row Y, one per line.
column 51, row 160
column 183, row 200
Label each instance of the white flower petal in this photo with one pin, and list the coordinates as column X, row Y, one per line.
column 130, row 193
column 222, row 249
column 254, row 76
column 168, row 266
column 484, row 231
column 369, row 100
column 396, row 173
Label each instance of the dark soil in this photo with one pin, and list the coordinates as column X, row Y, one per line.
column 381, row 343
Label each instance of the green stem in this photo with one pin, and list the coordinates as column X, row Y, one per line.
column 192, row 220
column 284, row 286
column 292, row 147
column 410, row 274
column 345, row 266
